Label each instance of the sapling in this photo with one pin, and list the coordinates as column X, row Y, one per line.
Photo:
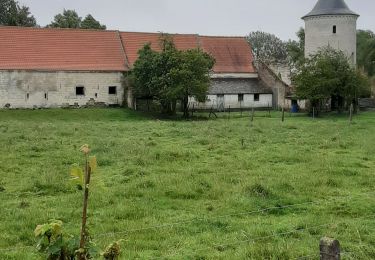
column 82, row 178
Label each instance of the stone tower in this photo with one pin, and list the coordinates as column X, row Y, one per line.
column 331, row 23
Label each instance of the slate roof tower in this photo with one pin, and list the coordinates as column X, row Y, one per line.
column 331, row 23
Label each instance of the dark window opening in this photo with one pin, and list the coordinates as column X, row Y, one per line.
column 45, row 96
column 240, row 97
column 256, row 97
column 112, row 90
column 80, row 91
column 96, row 95
column 334, row 29
column 27, row 96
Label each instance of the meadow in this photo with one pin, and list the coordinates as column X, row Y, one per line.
column 197, row 189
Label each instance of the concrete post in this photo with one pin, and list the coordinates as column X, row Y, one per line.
column 329, row 249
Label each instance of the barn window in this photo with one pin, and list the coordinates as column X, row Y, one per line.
column 80, row 90
column 112, row 90
column 240, row 97
column 256, row 97
column 334, row 29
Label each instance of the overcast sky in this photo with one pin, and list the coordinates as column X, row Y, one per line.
column 206, row 17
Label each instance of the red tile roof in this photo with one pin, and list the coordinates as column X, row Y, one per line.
column 92, row 50
column 60, row 49
column 134, row 41
column 232, row 54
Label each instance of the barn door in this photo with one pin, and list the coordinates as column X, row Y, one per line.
column 220, row 103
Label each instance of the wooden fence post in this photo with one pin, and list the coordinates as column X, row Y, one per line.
column 283, row 114
column 313, row 114
column 269, row 110
column 329, row 249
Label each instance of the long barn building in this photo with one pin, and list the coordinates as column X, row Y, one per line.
column 71, row 67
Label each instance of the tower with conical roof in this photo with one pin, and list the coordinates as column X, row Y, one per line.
column 331, row 23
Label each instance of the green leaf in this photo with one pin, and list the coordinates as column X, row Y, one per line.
column 77, row 175
column 93, row 164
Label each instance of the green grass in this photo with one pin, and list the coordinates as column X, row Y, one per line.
column 205, row 176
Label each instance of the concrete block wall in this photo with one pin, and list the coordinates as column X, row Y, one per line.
column 34, row 89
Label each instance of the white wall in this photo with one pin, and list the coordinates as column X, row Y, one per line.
column 265, row 100
column 319, row 33
column 59, row 88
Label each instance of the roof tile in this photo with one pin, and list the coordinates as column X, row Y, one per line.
column 92, row 50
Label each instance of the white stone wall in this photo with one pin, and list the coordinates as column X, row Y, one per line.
column 265, row 100
column 29, row 89
column 319, row 33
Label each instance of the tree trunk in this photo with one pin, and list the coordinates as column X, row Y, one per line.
column 185, row 107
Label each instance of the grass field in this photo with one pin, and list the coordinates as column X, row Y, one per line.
column 203, row 189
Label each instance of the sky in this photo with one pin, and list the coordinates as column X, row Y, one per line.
column 205, row 17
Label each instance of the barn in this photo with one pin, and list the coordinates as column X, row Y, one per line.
column 45, row 67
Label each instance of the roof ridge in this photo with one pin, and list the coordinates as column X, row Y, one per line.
column 120, row 31
column 55, row 29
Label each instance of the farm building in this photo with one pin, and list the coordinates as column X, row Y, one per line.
column 72, row 67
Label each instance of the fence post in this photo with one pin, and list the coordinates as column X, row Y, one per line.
column 351, row 113
column 269, row 110
column 283, row 114
column 313, row 113
column 329, row 249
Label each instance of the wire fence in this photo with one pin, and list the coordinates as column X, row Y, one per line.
column 180, row 223
column 299, row 230
column 263, row 210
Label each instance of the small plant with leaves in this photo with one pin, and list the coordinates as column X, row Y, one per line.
column 59, row 246
column 52, row 241
column 112, row 252
column 82, row 178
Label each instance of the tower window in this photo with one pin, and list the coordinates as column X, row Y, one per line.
column 334, row 29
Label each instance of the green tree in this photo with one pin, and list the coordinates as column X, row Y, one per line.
column 192, row 77
column 71, row 19
column 267, row 47
column 68, row 19
column 296, row 49
column 366, row 51
column 171, row 75
column 328, row 74
column 12, row 14
column 91, row 23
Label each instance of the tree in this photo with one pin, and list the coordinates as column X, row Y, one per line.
column 68, row 19
column 71, row 19
column 366, row 51
column 296, row 49
column 328, row 74
column 267, row 47
column 12, row 14
column 91, row 23
column 193, row 77
column 171, row 75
